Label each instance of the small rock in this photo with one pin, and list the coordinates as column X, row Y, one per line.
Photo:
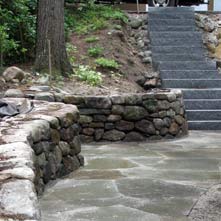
column 146, row 127
column 135, row 23
column 13, row 73
column 134, row 136
column 117, row 109
column 44, row 80
column 40, row 88
column 113, row 135
column 158, row 123
column 99, row 118
column 85, row 119
column 45, row 96
column 150, row 83
column 16, row 93
column 98, row 134
column 113, row 118
column 134, row 113
column 174, row 128
column 86, row 139
column 75, row 145
column 65, row 148
column 147, row 60
column 125, row 125
column 88, row 131
column 179, row 119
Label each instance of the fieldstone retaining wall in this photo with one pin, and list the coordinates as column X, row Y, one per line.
column 35, row 148
column 132, row 117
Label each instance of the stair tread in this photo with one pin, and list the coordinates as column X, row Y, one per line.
column 179, row 55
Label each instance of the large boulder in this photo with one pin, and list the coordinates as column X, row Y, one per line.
column 13, row 73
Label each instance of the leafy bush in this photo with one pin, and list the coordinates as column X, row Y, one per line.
column 71, row 50
column 95, row 51
column 18, row 19
column 6, row 45
column 107, row 63
column 85, row 73
column 92, row 17
column 91, row 39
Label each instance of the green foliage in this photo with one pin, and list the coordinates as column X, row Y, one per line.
column 71, row 51
column 107, row 63
column 95, row 51
column 92, row 17
column 18, row 19
column 91, row 39
column 7, row 45
column 85, row 73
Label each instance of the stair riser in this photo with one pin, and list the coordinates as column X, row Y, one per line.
column 202, row 94
column 174, row 34
column 192, row 83
column 202, row 104
column 177, row 50
column 172, row 28
column 174, row 57
column 204, row 125
column 176, row 42
column 170, row 9
column 169, row 22
column 158, row 16
column 204, row 115
column 187, row 65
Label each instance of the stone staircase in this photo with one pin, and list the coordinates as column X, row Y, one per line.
column 179, row 55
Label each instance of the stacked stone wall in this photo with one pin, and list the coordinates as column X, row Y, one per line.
column 131, row 117
column 35, row 148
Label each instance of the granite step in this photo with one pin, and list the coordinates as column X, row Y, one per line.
column 178, row 57
column 177, row 49
column 191, row 74
column 165, row 22
column 168, row 15
column 170, row 9
column 191, row 83
column 188, row 42
column 202, row 104
column 204, row 125
column 176, row 34
column 187, row 65
column 202, row 93
column 171, row 28
column 203, row 115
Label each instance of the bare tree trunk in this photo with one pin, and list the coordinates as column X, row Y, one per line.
column 50, row 26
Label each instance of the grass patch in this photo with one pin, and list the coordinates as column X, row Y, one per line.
column 85, row 73
column 107, row 63
column 91, row 39
column 95, row 51
column 92, row 18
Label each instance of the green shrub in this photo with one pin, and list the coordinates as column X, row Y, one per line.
column 7, row 45
column 18, row 17
column 92, row 17
column 71, row 50
column 91, row 39
column 85, row 73
column 95, row 51
column 107, row 63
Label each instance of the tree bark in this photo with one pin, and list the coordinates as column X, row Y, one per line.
column 50, row 27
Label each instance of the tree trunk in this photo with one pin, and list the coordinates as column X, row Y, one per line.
column 50, row 27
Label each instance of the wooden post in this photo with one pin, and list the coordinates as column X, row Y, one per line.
column 211, row 5
column 49, row 58
column 138, row 7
